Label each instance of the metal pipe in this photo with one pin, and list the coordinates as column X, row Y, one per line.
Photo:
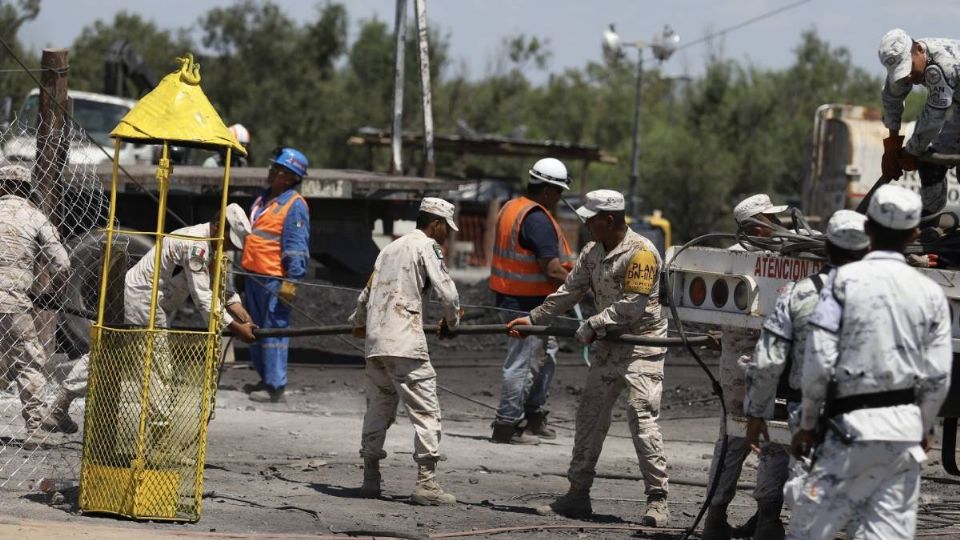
column 396, row 142
column 423, row 54
column 711, row 341
column 635, row 156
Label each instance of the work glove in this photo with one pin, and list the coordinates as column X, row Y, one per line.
column 906, row 160
column 444, row 331
column 288, row 290
column 359, row 332
column 890, row 163
column 585, row 334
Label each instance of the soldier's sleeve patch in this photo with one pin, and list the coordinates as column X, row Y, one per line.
column 940, row 94
column 641, row 275
column 197, row 258
column 436, row 249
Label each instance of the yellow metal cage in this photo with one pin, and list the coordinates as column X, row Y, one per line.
column 151, row 389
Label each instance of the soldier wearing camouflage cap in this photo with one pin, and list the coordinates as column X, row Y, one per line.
column 933, row 63
column 885, row 349
column 29, row 244
column 777, row 363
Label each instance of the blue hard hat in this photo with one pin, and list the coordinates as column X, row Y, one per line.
column 291, row 159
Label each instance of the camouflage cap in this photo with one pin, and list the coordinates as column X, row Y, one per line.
column 15, row 173
column 895, row 207
column 439, row 207
column 754, row 205
column 601, row 200
column 895, row 54
column 845, row 230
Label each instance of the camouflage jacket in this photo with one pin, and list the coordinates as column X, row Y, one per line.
column 29, row 243
column 940, row 79
column 391, row 305
column 782, row 341
column 626, row 286
column 871, row 333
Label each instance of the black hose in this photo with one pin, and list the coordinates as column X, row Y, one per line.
column 717, row 389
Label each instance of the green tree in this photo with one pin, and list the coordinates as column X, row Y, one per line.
column 90, row 50
column 12, row 17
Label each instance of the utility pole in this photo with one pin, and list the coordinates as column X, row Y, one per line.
column 396, row 142
column 52, row 144
column 423, row 53
column 635, row 155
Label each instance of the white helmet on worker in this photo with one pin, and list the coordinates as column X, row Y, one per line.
column 240, row 133
column 550, row 171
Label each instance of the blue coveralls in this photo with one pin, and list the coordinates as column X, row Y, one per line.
column 269, row 354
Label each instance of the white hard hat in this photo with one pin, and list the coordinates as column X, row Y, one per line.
column 240, row 133
column 895, row 54
column 845, row 230
column 239, row 224
column 439, row 207
column 895, row 207
column 601, row 200
column 754, row 205
column 552, row 171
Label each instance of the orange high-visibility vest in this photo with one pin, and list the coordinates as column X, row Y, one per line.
column 261, row 249
column 514, row 270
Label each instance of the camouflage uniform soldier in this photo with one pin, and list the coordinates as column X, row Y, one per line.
column 398, row 365
column 622, row 269
column 28, row 241
column 780, row 349
column 736, row 349
column 887, row 349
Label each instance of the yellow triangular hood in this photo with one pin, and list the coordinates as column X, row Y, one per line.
column 178, row 111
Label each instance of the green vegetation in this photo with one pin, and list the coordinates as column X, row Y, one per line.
column 736, row 130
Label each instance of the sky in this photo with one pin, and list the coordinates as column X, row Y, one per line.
column 476, row 28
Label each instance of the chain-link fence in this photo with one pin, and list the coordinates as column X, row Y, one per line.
column 45, row 302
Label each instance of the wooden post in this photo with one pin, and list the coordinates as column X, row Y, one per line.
column 52, row 145
column 396, row 142
column 423, row 53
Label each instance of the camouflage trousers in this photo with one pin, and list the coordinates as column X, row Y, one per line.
column 22, row 358
column 611, row 372
column 391, row 379
column 871, row 488
column 774, row 466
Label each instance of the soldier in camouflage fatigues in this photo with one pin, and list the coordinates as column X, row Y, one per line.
column 780, row 348
column 623, row 273
column 933, row 63
column 389, row 312
column 29, row 244
column 887, row 350
column 736, row 349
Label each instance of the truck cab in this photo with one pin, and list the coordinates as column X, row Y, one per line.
column 96, row 114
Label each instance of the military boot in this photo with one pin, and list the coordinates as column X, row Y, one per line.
column 371, row 479
column 510, row 433
column 428, row 492
column 769, row 526
column 575, row 504
column 715, row 526
column 657, row 513
column 57, row 419
column 746, row 530
column 537, row 425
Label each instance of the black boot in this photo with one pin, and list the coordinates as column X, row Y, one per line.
column 769, row 526
column 269, row 395
column 509, row 433
column 537, row 425
column 715, row 526
column 746, row 530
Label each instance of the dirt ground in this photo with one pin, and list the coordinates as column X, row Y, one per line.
column 286, row 470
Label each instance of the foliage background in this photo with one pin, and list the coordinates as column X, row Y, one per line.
column 706, row 142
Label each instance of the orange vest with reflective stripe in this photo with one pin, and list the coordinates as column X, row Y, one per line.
column 514, row 270
column 261, row 249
